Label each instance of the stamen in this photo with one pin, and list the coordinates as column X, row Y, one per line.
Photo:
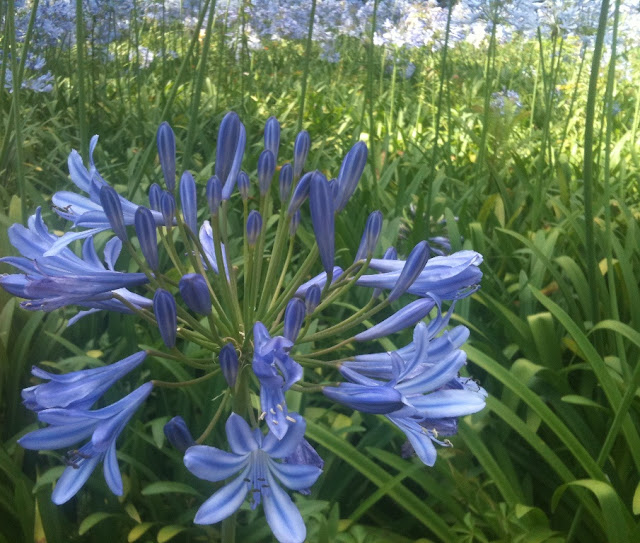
column 290, row 419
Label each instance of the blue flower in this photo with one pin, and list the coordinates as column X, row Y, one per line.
column 70, row 426
column 51, row 282
column 255, row 457
column 78, row 389
column 88, row 212
column 432, row 395
column 448, row 277
column 276, row 371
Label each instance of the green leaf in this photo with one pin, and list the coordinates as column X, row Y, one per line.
column 378, row 476
column 169, row 532
column 616, row 518
column 636, row 501
column 92, row 520
column 168, row 487
column 138, row 531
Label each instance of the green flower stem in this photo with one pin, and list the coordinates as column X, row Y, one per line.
column 297, row 280
column 179, row 357
column 258, row 255
column 142, row 313
column 276, row 254
column 357, row 318
column 165, row 235
column 306, row 360
column 180, row 384
column 216, row 417
column 234, row 313
column 249, row 285
column 300, row 387
column 283, row 273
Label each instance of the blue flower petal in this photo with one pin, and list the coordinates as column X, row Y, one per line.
column 239, row 435
column 224, row 502
column 295, row 476
column 112, row 470
column 282, row 515
column 212, row 464
column 280, row 447
column 449, row 403
column 57, row 437
column 72, row 480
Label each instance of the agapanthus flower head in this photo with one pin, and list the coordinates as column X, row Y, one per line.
column 242, row 287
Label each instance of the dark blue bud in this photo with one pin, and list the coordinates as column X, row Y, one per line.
column 300, row 193
column 146, row 232
column 243, row 186
column 266, row 169
column 411, row 270
column 155, row 193
column 293, row 318
column 178, row 434
column 322, row 218
column 370, row 236
column 350, row 173
column 113, row 210
column 407, row 316
column 188, row 201
column 272, row 136
column 229, row 151
column 214, row 195
column 254, row 227
column 195, row 293
column 285, row 182
column 295, row 222
column 300, row 152
column 164, row 307
column 167, row 154
column 229, row 364
column 390, row 254
column 168, row 208
column 312, row 298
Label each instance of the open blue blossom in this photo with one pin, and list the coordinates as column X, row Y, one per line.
column 277, row 371
column 78, row 389
column 51, row 282
column 88, row 212
column 70, row 426
column 255, row 458
column 431, row 393
column 449, row 277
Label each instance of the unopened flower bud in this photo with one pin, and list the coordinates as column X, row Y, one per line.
column 370, row 236
column 300, row 193
column 322, row 218
column 350, row 173
column 254, row 227
column 243, row 186
column 195, row 293
column 168, row 208
column 229, row 364
column 266, row 168
column 178, row 434
column 300, row 152
column 285, row 182
column 164, row 307
column 113, row 210
column 146, row 231
column 155, row 193
column 312, row 298
column 412, row 268
column 272, row 136
column 167, row 154
column 188, row 201
column 293, row 318
column 229, row 152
